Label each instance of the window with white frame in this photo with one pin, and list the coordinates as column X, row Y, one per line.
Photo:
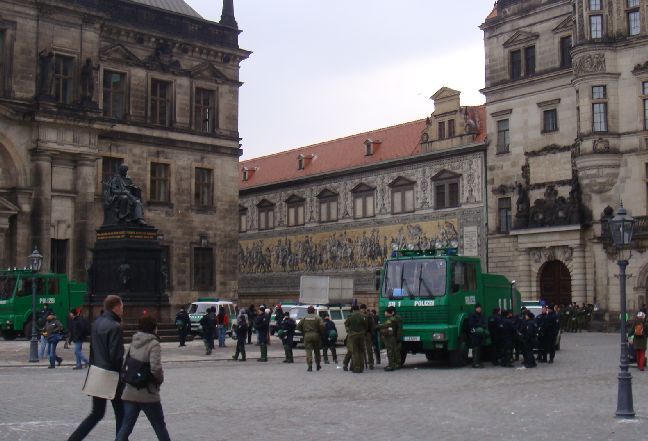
column 599, row 109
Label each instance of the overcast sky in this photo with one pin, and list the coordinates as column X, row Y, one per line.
column 322, row 70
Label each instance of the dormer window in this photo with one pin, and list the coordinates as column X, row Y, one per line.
column 370, row 146
column 300, row 162
column 248, row 172
column 246, row 175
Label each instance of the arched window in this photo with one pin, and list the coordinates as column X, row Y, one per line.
column 402, row 195
column 266, row 215
column 364, row 200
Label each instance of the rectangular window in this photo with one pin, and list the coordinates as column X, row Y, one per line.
column 529, row 61
column 403, row 199
column 295, row 214
column 242, row 221
column 565, row 56
column 504, row 215
column 63, row 78
column 599, row 92
column 516, row 64
column 633, row 3
column 446, row 194
column 596, row 26
column 110, row 167
column 441, row 130
column 634, row 23
column 266, row 218
column 451, row 128
column 503, row 136
column 328, row 210
column 645, row 104
column 58, row 262
column 363, row 205
column 114, row 94
column 550, row 121
column 161, row 102
column 205, row 110
column 204, row 185
column 203, row 268
column 595, row 5
column 160, row 182
column 599, row 112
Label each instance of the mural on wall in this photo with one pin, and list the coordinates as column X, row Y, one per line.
column 346, row 249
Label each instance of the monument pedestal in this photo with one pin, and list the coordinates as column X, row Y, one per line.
column 127, row 260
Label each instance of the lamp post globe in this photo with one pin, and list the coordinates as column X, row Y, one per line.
column 35, row 261
column 621, row 229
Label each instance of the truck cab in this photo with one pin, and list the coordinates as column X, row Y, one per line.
column 434, row 292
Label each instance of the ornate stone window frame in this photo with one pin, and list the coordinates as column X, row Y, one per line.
column 328, row 199
column 399, row 189
column 8, row 29
column 215, row 90
column 266, row 212
column 194, row 177
column 127, row 87
column 366, row 196
column 151, row 77
column 296, row 211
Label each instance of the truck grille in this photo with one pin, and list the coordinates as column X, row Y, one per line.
column 425, row 315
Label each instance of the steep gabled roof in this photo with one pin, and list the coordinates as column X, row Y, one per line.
column 177, row 6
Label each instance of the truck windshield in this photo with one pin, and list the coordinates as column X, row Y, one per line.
column 415, row 278
column 7, row 285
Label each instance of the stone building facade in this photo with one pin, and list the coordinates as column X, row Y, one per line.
column 340, row 207
column 567, row 111
column 92, row 84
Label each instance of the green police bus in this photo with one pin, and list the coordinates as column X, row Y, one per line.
column 61, row 294
column 434, row 292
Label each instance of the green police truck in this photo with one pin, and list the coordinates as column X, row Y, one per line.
column 434, row 292
column 56, row 290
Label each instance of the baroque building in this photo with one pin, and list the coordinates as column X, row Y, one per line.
column 340, row 207
column 89, row 85
column 567, row 110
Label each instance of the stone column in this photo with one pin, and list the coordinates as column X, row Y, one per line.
column 42, row 205
column 84, row 216
column 579, row 275
column 22, row 244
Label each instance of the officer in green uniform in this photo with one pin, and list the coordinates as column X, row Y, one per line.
column 356, row 326
column 312, row 327
column 398, row 336
column 368, row 343
column 388, row 330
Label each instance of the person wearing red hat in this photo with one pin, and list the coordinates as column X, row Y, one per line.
column 637, row 330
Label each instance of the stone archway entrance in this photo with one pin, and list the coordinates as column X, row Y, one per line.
column 555, row 283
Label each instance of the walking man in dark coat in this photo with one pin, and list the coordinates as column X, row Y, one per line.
column 241, row 335
column 183, row 323
column 477, row 326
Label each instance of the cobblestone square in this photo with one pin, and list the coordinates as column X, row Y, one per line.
column 222, row 400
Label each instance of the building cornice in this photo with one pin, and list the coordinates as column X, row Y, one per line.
column 173, row 144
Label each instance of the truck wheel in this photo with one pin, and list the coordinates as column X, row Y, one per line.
column 459, row 357
column 9, row 335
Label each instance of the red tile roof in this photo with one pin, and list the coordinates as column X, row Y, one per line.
column 493, row 13
column 398, row 141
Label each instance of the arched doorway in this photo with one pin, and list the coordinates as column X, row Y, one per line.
column 555, row 283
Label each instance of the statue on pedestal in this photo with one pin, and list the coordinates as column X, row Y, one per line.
column 122, row 200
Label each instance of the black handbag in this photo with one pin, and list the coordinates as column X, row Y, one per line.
column 136, row 373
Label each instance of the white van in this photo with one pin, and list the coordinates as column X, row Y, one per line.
column 197, row 310
column 337, row 313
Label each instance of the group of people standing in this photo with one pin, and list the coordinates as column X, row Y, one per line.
column 514, row 335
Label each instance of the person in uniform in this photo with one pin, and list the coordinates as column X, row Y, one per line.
column 388, row 330
column 329, row 339
column 551, row 329
column 208, row 323
column 494, row 323
column 477, row 327
column 507, row 334
column 241, row 335
column 312, row 327
column 356, row 327
column 376, row 336
column 399, row 339
column 529, row 339
column 183, row 324
column 543, row 334
column 286, row 332
column 369, row 359
column 262, row 325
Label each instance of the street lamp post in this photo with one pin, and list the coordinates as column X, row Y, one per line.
column 621, row 227
column 35, row 261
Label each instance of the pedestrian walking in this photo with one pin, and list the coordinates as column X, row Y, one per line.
column 286, row 333
column 183, row 325
column 42, row 320
column 477, row 327
column 143, row 376
column 329, row 339
column 208, row 324
column 106, row 352
column 222, row 322
column 262, row 325
column 312, row 327
column 53, row 330
column 79, row 331
column 241, row 335
column 356, row 327
column 637, row 330
column 388, row 330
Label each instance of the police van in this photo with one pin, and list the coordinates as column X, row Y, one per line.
column 198, row 309
column 338, row 315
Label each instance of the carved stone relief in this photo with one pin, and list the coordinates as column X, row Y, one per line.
column 541, row 255
column 588, row 64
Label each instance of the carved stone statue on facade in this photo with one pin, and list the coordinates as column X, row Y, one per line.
column 87, row 81
column 522, row 208
column 46, row 73
column 122, row 200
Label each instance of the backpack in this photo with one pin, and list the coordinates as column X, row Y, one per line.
column 136, row 373
column 639, row 330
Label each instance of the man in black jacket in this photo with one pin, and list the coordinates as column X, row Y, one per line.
column 241, row 335
column 208, row 323
column 106, row 352
column 287, row 330
column 79, row 330
column 477, row 327
column 262, row 325
column 183, row 323
column 529, row 339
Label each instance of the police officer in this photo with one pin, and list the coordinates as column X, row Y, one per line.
column 329, row 339
column 208, row 323
column 529, row 334
column 241, row 335
column 398, row 336
column 543, row 334
column 369, row 359
column 183, row 323
column 376, row 336
column 287, row 331
column 356, row 327
column 552, row 328
column 494, row 323
column 312, row 327
column 262, row 325
column 388, row 330
column 506, row 335
column 477, row 327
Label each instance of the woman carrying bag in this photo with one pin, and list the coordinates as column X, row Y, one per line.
column 143, row 375
column 53, row 330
